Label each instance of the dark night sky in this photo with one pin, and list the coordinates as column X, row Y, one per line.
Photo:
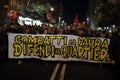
column 73, row 7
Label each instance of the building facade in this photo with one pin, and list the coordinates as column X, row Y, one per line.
column 107, row 12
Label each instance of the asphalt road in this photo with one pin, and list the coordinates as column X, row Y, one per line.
column 33, row 69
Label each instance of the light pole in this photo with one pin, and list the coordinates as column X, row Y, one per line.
column 28, row 3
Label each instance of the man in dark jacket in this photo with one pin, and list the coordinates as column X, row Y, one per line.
column 114, row 51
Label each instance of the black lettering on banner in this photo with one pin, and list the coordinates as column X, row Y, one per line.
column 105, row 44
column 17, row 39
column 94, row 49
column 64, row 51
column 17, row 50
column 70, row 51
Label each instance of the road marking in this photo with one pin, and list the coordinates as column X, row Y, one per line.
column 61, row 77
column 55, row 72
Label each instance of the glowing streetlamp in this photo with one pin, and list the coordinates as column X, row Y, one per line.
column 51, row 9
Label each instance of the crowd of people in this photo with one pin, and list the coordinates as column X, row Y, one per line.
column 45, row 29
column 114, row 47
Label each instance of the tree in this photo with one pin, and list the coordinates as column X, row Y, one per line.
column 107, row 12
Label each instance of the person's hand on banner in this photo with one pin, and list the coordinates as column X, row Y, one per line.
column 113, row 62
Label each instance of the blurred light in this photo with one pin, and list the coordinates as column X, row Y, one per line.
column 87, row 19
column 37, row 23
column 83, row 22
column 99, row 28
column 63, row 21
column 113, row 26
column 104, row 28
column 21, row 20
column 65, row 24
column 28, row 21
column 51, row 25
column 59, row 19
column 69, row 27
column 110, row 31
column 52, row 9
column 6, row 6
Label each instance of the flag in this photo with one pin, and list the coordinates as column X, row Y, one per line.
column 49, row 16
column 12, row 14
column 75, row 23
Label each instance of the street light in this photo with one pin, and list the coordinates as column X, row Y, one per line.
column 51, row 9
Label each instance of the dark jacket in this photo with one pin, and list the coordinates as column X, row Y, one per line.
column 114, row 48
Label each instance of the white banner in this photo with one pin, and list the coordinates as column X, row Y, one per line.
column 58, row 47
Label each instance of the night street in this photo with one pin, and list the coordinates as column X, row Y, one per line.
column 60, row 40
column 48, row 70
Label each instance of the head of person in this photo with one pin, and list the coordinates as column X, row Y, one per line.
column 45, row 31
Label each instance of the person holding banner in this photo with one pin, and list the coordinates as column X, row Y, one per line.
column 114, row 51
column 81, row 33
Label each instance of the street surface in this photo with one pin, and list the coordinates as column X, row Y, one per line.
column 34, row 69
